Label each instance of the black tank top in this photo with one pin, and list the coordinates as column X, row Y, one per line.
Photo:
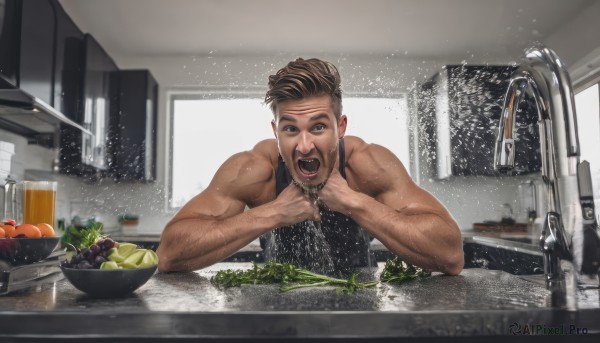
column 335, row 246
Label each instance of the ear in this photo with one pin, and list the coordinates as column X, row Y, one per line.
column 274, row 127
column 342, row 123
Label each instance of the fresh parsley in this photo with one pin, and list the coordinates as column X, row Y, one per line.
column 288, row 275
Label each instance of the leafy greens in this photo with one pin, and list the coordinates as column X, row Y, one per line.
column 293, row 277
column 289, row 275
column 398, row 271
column 82, row 238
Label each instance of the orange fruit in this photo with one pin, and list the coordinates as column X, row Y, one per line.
column 46, row 229
column 2, row 233
column 28, row 230
column 9, row 230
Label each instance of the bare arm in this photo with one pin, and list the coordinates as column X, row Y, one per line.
column 213, row 225
column 409, row 221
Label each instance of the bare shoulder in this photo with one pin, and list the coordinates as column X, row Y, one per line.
column 360, row 154
column 244, row 179
column 266, row 150
column 247, row 175
column 352, row 144
column 373, row 168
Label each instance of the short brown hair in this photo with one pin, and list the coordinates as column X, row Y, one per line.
column 303, row 78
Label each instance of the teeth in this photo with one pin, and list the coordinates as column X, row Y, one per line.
column 309, row 165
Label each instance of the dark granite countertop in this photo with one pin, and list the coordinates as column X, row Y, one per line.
column 478, row 302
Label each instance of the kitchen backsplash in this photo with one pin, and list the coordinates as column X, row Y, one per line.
column 105, row 200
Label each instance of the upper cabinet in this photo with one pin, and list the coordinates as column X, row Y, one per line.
column 98, row 101
column 30, row 56
column 68, row 66
column 133, row 128
column 10, row 42
column 37, row 49
column 465, row 103
column 27, row 46
column 60, row 88
column 88, row 154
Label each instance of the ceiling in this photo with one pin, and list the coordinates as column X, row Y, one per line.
column 413, row 28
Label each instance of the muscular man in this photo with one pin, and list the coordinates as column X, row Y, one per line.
column 313, row 196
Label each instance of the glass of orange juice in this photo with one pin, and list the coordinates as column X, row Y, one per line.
column 39, row 201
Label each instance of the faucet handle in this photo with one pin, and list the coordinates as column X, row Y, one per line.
column 553, row 238
column 504, row 159
column 586, row 192
column 590, row 263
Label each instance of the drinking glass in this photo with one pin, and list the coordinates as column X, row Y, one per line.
column 39, row 202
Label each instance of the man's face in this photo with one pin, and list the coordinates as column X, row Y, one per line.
column 307, row 136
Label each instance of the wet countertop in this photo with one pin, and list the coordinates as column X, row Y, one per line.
column 478, row 302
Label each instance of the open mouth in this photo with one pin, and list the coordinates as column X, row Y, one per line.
column 309, row 166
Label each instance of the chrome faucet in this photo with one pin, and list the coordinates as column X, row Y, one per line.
column 543, row 76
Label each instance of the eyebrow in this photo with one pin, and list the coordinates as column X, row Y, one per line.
column 292, row 119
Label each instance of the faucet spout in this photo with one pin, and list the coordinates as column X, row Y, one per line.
column 543, row 76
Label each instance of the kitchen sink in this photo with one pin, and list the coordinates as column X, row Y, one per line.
column 515, row 256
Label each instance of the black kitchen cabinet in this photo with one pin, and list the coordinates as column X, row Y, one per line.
column 10, row 42
column 27, row 46
column 37, row 49
column 68, row 92
column 467, row 103
column 68, row 66
column 83, row 154
column 31, row 55
column 133, row 127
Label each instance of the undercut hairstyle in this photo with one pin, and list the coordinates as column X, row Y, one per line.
column 303, row 78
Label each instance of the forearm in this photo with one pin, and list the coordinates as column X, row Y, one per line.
column 429, row 240
column 191, row 243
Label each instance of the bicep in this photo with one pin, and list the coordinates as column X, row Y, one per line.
column 227, row 193
column 210, row 204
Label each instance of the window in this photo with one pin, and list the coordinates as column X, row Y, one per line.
column 588, row 119
column 587, row 107
column 208, row 131
column 205, row 132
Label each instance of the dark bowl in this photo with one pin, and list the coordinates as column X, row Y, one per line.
column 108, row 283
column 27, row 250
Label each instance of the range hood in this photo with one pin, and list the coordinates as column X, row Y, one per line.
column 26, row 115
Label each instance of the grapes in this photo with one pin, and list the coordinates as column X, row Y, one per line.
column 98, row 261
column 76, row 259
column 92, row 257
column 95, row 249
column 86, row 253
column 84, row 265
column 108, row 244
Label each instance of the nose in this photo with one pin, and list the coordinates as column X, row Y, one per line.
column 305, row 143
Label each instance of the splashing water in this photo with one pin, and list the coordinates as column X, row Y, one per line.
column 312, row 244
column 318, row 248
column 306, row 246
